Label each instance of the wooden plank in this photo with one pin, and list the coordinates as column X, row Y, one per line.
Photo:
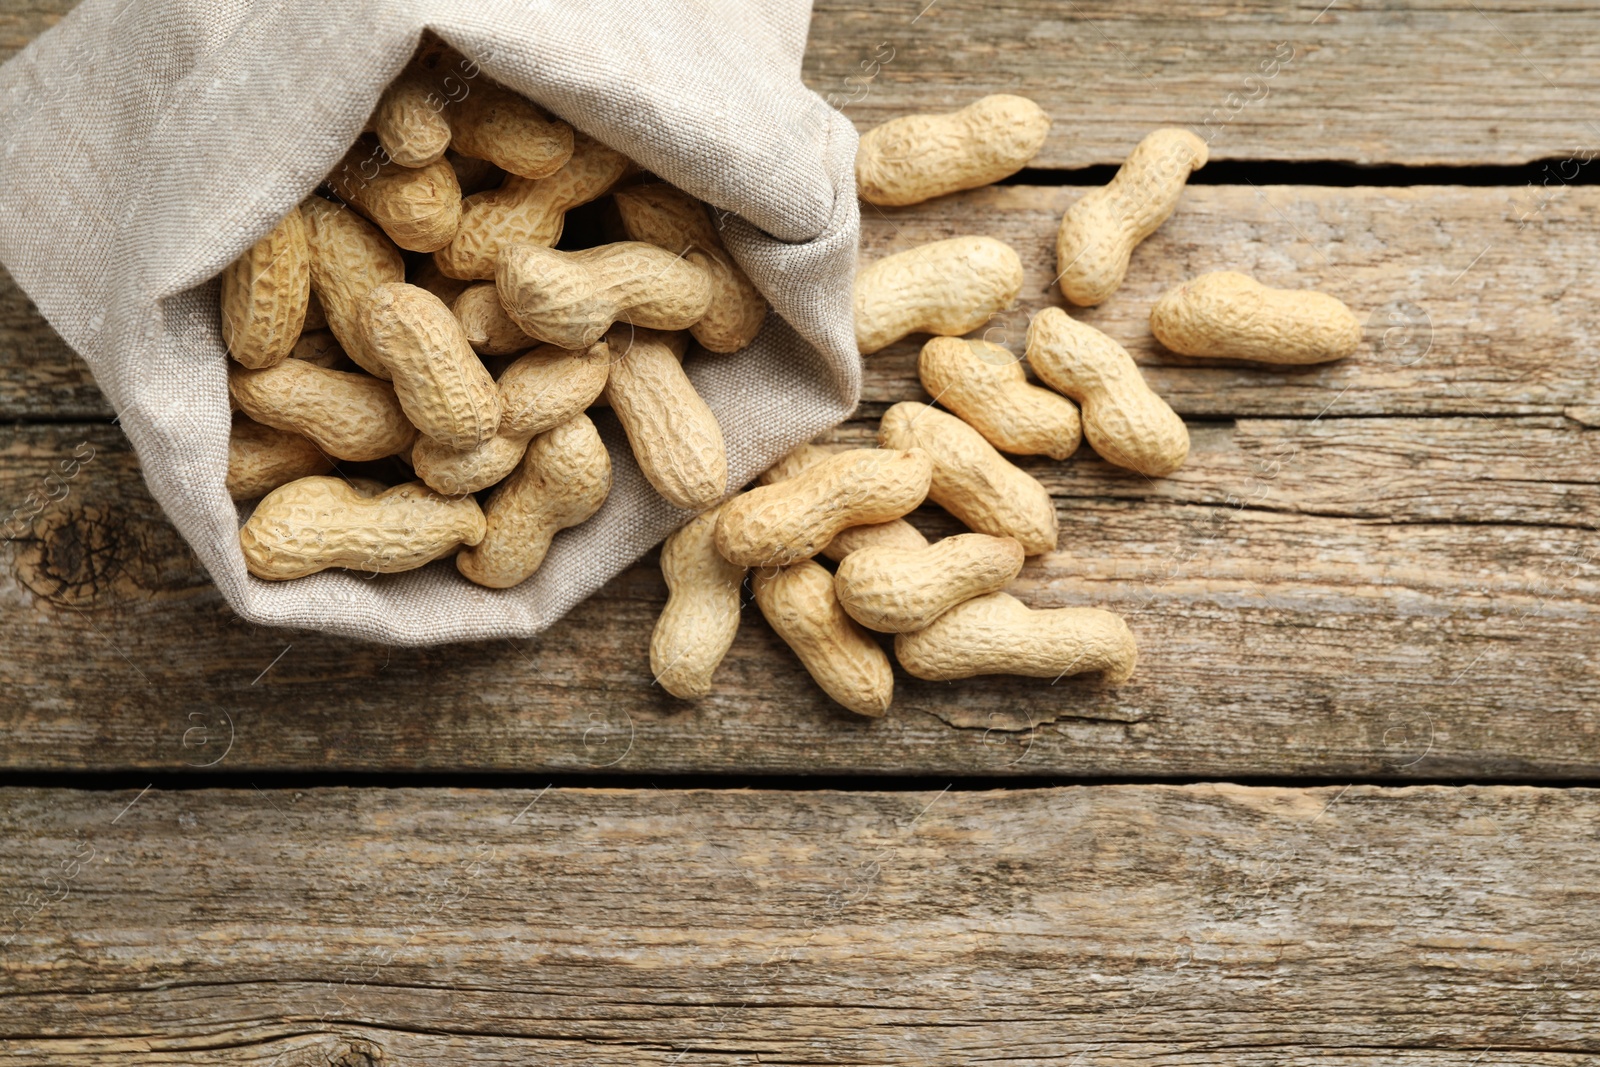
column 1495, row 81
column 1397, row 597
column 1194, row 925
column 1471, row 308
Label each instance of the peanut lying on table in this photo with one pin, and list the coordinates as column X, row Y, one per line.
column 947, row 287
column 1233, row 316
column 697, row 626
column 918, row 157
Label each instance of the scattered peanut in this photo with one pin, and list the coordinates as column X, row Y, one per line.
column 791, row 520
column 948, row 287
column 999, row 634
column 800, row 605
column 918, row 157
column 672, row 219
column 348, row 415
column 896, row 590
column 697, row 626
column 490, row 331
column 349, row 256
column 418, row 208
column 528, row 210
column 1099, row 233
column 985, row 385
column 674, row 434
column 261, row 458
column 318, row 523
column 1125, row 422
column 1232, row 316
column 563, row 478
column 971, row 480
column 265, row 293
column 896, row 533
column 444, row 389
column 539, row 391
column 572, row 298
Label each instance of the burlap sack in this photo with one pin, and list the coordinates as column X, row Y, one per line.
column 147, row 143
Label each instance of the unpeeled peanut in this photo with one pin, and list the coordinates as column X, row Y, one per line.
column 1123, row 419
column 427, row 275
column 799, row 603
column 318, row 523
column 794, row 519
column 698, row 624
column 528, row 210
column 896, row 533
column 539, row 391
column 265, row 293
column 971, row 480
column 999, row 634
column 409, row 119
column 496, row 124
column 669, row 217
column 572, row 298
column 348, row 415
column 321, row 348
column 948, row 287
column 261, row 458
column 563, row 478
column 418, row 208
column 918, row 157
column 1232, row 316
column 985, row 385
column 674, row 434
column 1100, row 231
column 349, row 256
column 490, row 331
column 444, row 389
column 896, row 590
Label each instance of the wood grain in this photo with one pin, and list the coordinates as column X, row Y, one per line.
column 1495, row 81
column 1399, row 597
column 1160, row 925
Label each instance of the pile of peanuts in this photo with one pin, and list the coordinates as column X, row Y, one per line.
column 946, row 603
column 399, row 319
column 417, row 312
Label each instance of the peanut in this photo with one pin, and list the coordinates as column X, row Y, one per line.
column 538, row 392
column 1100, row 231
column 1124, row 421
column 985, row 385
column 474, row 175
column 490, row 331
column 947, row 287
column 918, row 157
column 348, row 415
column 1232, row 316
column 572, row 298
column 674, row 434
column 697, row 626
column 427, row 275
column 563, row 478
column 317, row 523
column 896, row 590
column 896, row 533
column 496, row 124
column 774, row 525
column 322, row 349
column 444, row 389
column 971, row 480
column 800, row 605
column 409, row 119
column 419, row 208
column 999, row 634
column 265, row 293
column 349, row 256
column 261, row 458
column 662, row 215
column 528, row 210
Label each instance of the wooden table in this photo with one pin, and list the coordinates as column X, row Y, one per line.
column 230, row 844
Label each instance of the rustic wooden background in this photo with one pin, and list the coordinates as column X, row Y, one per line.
column 1370, row 575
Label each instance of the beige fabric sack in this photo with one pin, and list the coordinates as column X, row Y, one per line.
column 147, row 143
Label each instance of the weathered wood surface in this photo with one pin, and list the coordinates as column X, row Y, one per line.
column 1478, row 300
column 1387, row 596
column 1149, row 925
column 1492, row 81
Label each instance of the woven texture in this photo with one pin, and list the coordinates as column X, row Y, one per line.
column 148, row 144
